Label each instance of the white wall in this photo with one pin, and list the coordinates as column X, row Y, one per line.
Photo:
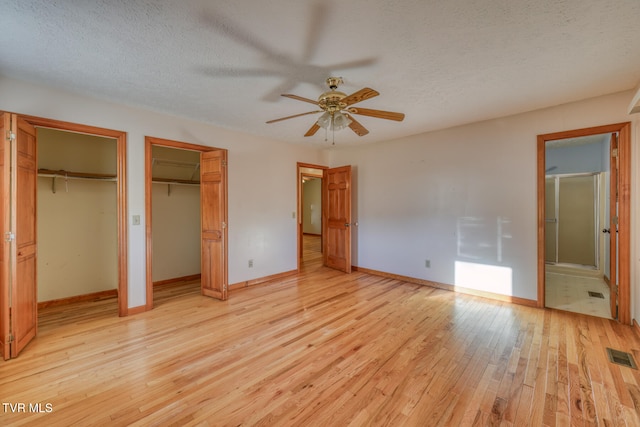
column 441, row 195
column 465, row 198
column 584, row 158
column 261, row 226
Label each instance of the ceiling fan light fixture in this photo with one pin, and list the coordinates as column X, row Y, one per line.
column 340, row 121
column 333, row 121
column 324, row 121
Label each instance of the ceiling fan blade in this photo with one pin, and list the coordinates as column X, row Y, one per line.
column 295, row 115
column 360, row 95
column 312, row 131
column 358, row 63
column 316, row 28
column 273, row 94
column 389, row 115
column 357, row 127
column 224, row 25
column 300, row 98
column 236, row 72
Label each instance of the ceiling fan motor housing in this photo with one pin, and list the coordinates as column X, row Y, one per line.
column 330, row 101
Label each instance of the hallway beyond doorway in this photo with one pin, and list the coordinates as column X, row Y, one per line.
column 311, row 249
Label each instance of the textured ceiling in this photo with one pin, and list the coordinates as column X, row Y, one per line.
column 442, row 63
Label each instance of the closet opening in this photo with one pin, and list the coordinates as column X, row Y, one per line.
column 77, row 163
column 77, row 218
column 186, row 220
column 176, row 222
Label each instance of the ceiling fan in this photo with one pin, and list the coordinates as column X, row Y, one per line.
column 337, row 110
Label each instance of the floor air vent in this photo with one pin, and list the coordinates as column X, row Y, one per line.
column 596, row 294
column 621, row 358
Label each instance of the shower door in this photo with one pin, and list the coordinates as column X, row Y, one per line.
column 572, row 220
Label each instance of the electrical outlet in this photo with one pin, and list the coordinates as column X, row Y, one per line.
column 427, row 263
column 250, row 263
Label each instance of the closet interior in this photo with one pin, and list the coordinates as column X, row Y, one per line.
column 175, row 215
column 76, row 216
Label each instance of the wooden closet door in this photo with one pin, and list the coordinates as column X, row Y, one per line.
column 5, row 247
column 18, row 286
column 336, row 184
column 213, row 202
column 24, row 302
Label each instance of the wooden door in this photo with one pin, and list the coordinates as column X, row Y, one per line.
column 213, row 202
column 24, row 301
column 613, row 226
column 336, row 203
column 5, row 247
column 18, row 286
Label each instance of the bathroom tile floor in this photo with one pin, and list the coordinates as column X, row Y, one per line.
column 571, row 293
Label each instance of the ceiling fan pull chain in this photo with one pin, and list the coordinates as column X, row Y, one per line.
column 333, row 131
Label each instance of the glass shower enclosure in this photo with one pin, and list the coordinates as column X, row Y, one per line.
column 572, row 220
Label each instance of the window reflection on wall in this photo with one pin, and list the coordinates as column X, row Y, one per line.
column 483, row 239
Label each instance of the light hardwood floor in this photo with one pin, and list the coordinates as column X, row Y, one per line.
column 323, row 348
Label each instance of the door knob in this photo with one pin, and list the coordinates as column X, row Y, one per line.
column 606, row 230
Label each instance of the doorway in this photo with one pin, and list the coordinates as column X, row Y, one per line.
column 591, row 168
column 170, row 164
column 336, row 214
column 311, row 215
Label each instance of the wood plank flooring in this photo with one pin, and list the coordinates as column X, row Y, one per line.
column 323, row 349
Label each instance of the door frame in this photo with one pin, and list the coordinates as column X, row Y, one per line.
column 121, row 192
column 624, row 209
column 149, row 142
column 299, row 224
column 613, row 210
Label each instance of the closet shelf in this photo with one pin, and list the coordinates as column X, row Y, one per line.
column 53, row 174
column 174, row 181
column 169, row 182
column 68, row 174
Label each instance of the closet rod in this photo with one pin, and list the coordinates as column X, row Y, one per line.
column 67, row 174
column 53, row 174
column 175, row 181
column 170, row 182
